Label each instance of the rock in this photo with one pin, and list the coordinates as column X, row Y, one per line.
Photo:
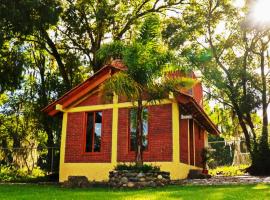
column 130, row 184
column 152, row 184
column 131, row 174
column 124, row 180
column 77, row 181
column 197, row 174
column 140, row 175
column 142, row 179
column 143, row 184
column 159, row 177
column 134, row 179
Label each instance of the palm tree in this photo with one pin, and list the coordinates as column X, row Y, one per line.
column 147, row 61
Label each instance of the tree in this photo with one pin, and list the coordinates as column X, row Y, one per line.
column 232, row 57
column 146, row 59
column 87, row 23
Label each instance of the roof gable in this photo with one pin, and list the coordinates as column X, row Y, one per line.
column 83, row 89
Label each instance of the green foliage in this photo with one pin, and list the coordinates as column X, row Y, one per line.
column 221, row 154
column 146, row 59
column 25, row 17
column 205, row 157
column 9, row 174
column 121, row 83
column 110, row 51
column 229, row 170
column 133, row 167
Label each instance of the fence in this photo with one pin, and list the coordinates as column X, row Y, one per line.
column 222, row 153
column 46, row 158
column 233, row 152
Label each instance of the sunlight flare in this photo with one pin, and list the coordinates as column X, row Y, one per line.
column 260, row 12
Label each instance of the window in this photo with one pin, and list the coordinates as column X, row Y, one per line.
column 132, row 129
column 93, row 131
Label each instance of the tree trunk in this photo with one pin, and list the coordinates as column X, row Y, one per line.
column 264, row 138
column 139, row 132
column 58, row 59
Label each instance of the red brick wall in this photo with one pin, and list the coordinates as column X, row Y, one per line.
column 183, row 141
column 159, row 135
column 75, row 139
column 94, row 99
column 199, row 144
column 198, row 93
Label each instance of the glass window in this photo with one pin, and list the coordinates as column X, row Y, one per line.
column 93, row 132
column 133, row 125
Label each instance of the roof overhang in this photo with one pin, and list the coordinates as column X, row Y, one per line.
column 189, row 106
column 80, row 90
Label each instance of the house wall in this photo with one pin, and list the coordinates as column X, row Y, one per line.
column 76, row 139
column 159, row 135
column 165, row 130
column 198, row 93
column 184, row 141
column 199, row 143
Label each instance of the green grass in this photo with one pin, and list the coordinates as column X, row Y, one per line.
column 50, row 192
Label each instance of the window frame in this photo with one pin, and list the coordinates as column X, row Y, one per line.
column 85, row 132
column 129, row 132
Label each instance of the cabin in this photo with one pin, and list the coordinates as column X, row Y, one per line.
column 98, row 134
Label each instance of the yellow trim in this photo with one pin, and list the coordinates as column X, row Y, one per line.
column 100, row 171
column 118, row 105
column 114, row 130
column 175, row 132
column 62, row 173
column 59, row 107
column 205, row 139
column 171, row 95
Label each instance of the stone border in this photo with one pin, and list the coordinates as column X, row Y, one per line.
column 224, row 180
column 133, row 179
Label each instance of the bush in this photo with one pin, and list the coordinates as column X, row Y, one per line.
column 10, row 174
column 229, row 170
column 132, row 167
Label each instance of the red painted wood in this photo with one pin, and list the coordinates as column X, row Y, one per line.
column 199, row 144
column 184, row 141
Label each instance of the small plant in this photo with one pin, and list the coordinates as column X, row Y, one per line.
column 228, row 170
column 137, row 168
column 205, row 156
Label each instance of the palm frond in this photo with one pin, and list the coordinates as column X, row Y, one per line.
column 178, row 83
column 158, row 90
column 110, row 51
column 123, row 85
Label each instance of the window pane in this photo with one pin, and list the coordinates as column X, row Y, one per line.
column 89, row 133
column 98, row 126
column 133, row 125
column 145, row 128
column 133, row 122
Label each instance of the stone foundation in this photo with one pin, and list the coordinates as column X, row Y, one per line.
column 132, row 179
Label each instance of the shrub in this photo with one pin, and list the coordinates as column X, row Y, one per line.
column 228, row 170
column 133, row 167
column 10, row 174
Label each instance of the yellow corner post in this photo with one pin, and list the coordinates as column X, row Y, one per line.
column 114, row 130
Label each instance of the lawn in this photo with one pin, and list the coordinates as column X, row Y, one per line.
column 39, row 192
